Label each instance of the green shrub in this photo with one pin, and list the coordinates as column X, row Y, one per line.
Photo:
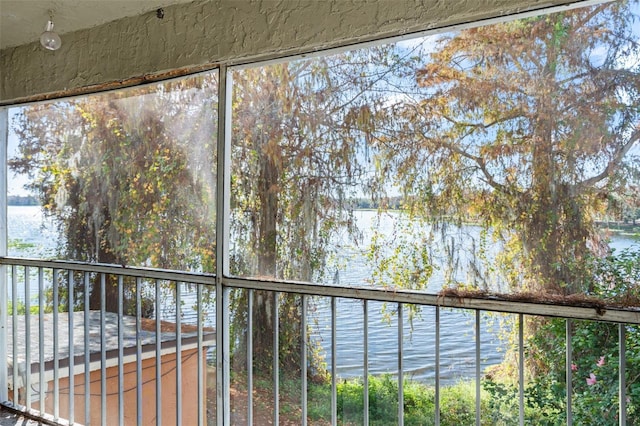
column 595, row 359
column 457, row 402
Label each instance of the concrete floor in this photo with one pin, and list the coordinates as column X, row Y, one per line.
column 8, row 418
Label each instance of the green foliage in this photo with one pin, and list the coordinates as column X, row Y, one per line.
column 403, row 259
column 383, row 400
column 18, row 244
column 21, row 308
column 20, row 247
column 615, row 277
column 457, row 402
column 120, row 175
column 128, row 178
column 297, row 133
column 543, row 404
column 512, row 126
column 595, row 362
column 593, row 403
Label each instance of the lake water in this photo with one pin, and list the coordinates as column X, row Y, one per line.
column 457, row 348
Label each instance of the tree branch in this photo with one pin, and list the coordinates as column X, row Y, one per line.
column 613, row 164
column 479, row 161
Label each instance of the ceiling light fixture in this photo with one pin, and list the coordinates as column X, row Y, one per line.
column 49, row 39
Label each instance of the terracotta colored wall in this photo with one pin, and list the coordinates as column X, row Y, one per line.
column 189, row 390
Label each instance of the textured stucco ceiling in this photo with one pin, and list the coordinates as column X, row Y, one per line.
column 22, row 21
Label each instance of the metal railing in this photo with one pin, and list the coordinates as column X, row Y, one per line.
column 72, row 360
column 152, row 359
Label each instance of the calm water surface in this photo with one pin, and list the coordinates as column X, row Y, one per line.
column 26, row 224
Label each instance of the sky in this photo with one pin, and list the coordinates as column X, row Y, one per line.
column 15, row 182
column 424, row 45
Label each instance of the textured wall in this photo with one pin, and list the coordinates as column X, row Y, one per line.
column 210, row 32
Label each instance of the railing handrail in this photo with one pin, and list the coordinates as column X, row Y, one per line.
column 629, row 315
column 155, row 352
column 103, row 268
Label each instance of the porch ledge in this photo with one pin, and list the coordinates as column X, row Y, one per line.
column 12, row 417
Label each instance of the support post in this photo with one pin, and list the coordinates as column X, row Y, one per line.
column 4, row 361
column 223, row 200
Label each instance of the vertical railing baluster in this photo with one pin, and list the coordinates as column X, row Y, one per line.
column 334, row 391
column 27, row 338
column 41, row 340
column 201, row 371
column 4, row 302
column 569, row 373
column 178, row 353
column 400, row 365
column 4, row 294
column 303, row 358
column 250, row 357
column 14, row 329
column 276, row 360
column 365, row 380
column 87, row 353
column 24, row 380
column 223, row 390
column 120, row 350
column 72, row 349
column 103, row 350
column 56, row 347
column 437, row 396
column 622, row 373
column 478, row 369
column 521, row 368
column 138, row 351
column 158, row 356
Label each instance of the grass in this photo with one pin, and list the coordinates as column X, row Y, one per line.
column 457, row 402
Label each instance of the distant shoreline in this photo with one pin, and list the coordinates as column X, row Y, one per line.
column 22, row 200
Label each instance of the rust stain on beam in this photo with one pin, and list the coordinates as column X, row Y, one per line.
column 113, row 85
